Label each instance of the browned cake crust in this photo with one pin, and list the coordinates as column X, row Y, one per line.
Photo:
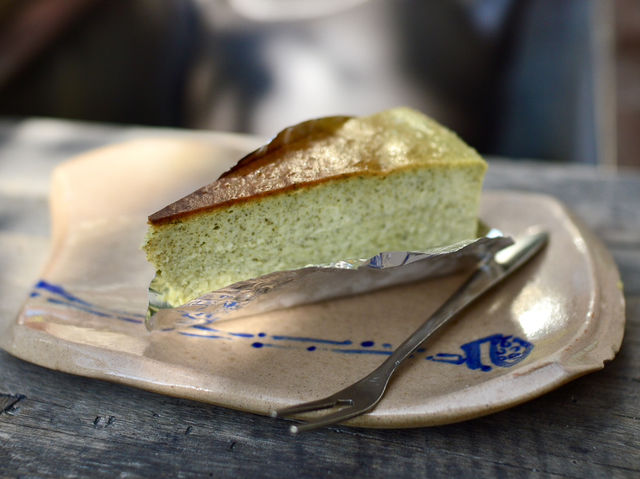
column 294, row 137
column 322, row 150
column 282, row 165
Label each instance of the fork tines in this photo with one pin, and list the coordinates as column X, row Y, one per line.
column 348, row 411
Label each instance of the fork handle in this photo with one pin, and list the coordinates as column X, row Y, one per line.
column 488, row 273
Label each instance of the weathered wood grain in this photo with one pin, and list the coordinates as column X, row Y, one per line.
column 54, row 424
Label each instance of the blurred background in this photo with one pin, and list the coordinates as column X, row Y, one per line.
column 543, row 79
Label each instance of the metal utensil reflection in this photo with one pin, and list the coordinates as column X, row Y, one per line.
column 365, row 394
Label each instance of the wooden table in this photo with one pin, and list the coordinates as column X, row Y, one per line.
column 54, row 424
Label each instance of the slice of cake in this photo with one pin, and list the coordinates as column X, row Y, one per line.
column 324, row 190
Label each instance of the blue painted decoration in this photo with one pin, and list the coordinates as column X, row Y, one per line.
column 503, row 350
column 497, row 350
column 59, row 296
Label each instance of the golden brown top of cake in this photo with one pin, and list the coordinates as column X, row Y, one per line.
column 316, row 151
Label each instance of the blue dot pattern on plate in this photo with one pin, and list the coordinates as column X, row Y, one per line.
column 497, row 350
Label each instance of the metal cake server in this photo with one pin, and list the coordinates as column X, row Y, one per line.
column 363, row 395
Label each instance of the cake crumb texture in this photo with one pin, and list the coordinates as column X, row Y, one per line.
column 395, row 181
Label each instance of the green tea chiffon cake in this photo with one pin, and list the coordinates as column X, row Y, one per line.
column 321, row 191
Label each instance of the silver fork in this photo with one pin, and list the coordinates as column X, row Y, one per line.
column 363, row 395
